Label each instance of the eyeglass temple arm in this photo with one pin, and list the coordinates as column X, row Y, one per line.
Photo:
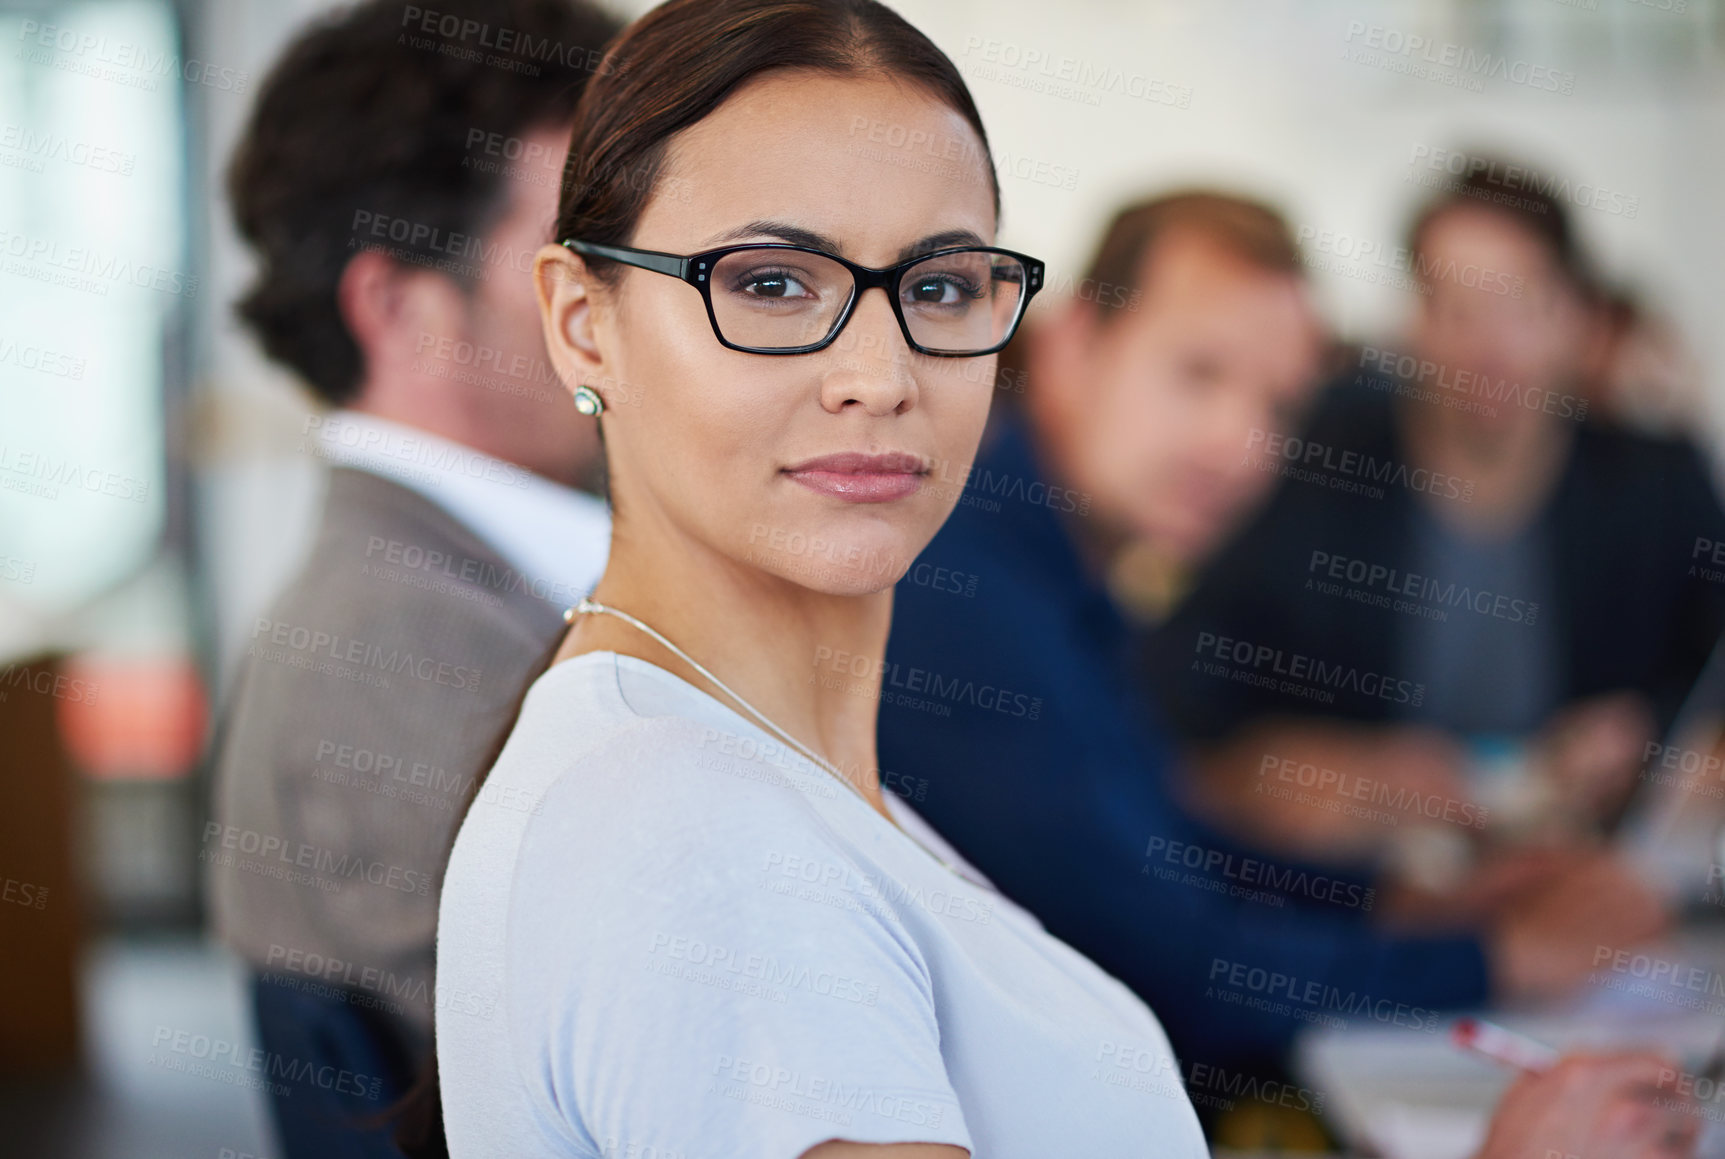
column 662, row 263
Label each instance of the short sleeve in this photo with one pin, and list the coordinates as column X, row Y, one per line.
column 677, row 999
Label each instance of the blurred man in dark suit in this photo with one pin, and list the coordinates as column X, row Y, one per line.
column 1014, row 715
column 395, row 179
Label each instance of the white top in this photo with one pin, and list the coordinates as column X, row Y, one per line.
column 665, row 934
column 557, row 537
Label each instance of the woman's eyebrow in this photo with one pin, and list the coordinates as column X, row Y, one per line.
column 797, row 235
column 938, row 241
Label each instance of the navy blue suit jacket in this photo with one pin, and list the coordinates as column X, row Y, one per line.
column 1015, row 719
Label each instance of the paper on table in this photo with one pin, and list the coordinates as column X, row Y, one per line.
column 1410, row 1132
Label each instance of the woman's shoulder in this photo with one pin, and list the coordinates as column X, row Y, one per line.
column 600, row 719
column 617, row 760
column 674, row 830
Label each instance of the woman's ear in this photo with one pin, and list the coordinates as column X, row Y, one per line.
column 564, row 286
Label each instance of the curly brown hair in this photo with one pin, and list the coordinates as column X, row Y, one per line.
column 387, row 109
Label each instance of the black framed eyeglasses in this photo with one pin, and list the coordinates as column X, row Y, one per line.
column 774, row 298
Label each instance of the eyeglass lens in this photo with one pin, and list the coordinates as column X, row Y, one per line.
column 781, row 299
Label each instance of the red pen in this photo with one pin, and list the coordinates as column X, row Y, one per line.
column 1500, row 1045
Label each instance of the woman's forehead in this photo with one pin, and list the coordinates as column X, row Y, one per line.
column 867, row 161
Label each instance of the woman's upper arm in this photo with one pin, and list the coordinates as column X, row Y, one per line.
column 686, row 1005
column 841, row 1149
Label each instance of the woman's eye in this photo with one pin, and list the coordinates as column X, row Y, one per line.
column 940, row 291
column 777, row 284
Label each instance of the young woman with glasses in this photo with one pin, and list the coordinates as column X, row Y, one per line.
column 681, row 917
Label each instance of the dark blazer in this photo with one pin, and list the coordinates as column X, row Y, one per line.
column 1013, row 719
column 1633, row 606
column 369, row 695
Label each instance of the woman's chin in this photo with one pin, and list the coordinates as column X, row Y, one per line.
column 841, row 580
column 851, row 557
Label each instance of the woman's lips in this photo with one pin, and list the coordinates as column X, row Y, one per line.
column 859, row 478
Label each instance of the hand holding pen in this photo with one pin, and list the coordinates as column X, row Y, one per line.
column 1622, row 1105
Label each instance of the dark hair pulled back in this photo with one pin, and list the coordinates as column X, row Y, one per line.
column 679, row 62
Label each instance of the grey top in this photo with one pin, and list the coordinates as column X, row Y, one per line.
column 370, row 692
column 1484, row 646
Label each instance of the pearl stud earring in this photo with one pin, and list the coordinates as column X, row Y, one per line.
column 588, row 402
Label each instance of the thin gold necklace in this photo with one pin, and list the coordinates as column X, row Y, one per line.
column 587, row 605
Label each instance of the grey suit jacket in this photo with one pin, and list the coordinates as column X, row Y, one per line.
column 367, row 699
